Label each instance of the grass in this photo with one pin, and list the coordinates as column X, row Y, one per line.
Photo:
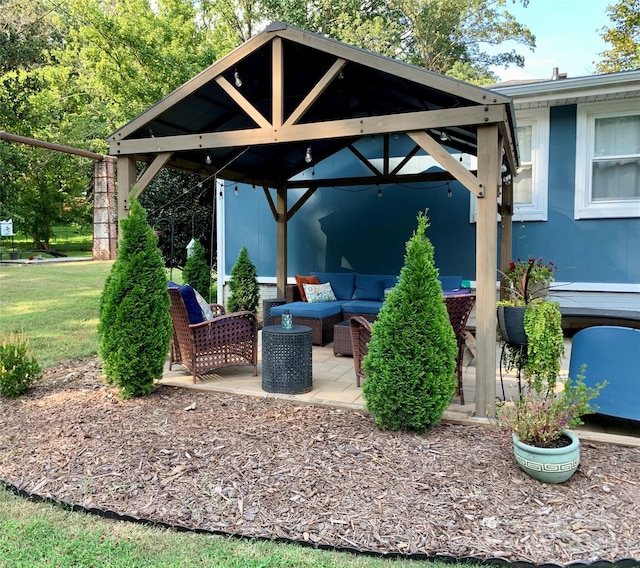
column 67, row 239
column 56, row 305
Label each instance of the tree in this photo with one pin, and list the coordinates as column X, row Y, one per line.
column 446, row 36
column 410, row 365
column 196, row 271
column 184, row 203
column 624, row 36
column 245, row 291
column 135, row 326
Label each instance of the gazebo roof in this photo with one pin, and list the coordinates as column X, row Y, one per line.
column 254, row 113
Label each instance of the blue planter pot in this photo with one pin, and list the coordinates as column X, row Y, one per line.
column 549, row 465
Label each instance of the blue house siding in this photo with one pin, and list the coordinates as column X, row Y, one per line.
column 587, row 250
column 353, row 229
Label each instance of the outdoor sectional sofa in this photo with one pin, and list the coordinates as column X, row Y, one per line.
column 355, row 293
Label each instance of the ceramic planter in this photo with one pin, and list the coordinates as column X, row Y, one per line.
column 511, row 324
column 550, row 465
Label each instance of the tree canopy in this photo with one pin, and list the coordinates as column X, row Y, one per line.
column 74, row 71
column 624, row 37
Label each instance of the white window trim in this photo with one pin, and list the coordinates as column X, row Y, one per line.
column 538, row 209
column 584, row 208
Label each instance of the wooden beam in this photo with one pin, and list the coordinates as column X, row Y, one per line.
column 243, row 103
column 448, row 162
column 272, row 205
column 277, row 75
column 281, row 240
column 151, row 170
column 126, row 173
column 303, row 199
column 486, row 269
column 313, row 95
column 364, row 159
column 352, row 127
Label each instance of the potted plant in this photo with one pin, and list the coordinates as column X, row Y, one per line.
column 539, row 420
column 523, row 282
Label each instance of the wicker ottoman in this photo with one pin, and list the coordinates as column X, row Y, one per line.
column 286, row 359
column 342, row 339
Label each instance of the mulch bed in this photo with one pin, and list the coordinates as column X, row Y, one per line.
column 269, row 468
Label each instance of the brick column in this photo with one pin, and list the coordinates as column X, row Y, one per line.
column 105, row 222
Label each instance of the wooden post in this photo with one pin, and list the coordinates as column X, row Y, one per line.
column 126, row 180
column 506, row 231
column 486, row 269
column 281, row 239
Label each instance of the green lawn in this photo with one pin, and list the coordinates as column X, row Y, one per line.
column 56, row 305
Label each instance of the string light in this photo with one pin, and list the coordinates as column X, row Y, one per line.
column 444, row 136
column 236, row 78
column 308, row 157
column 449, row 192
column 379, row 192
column 236, row 189
column 207, row 159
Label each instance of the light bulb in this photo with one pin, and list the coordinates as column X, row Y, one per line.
column 236, row 78
column 236, row 190
column 444, row 136
column 308, row 157
column 207, row 158
column 379, row 192
column 449, row 192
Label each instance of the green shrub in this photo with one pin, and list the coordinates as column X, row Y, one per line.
column 411, row 360
column 196, row 271
column 245, row 291
column 135, row 326
column 18, row 371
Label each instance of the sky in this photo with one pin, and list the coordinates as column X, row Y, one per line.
column 567, row 34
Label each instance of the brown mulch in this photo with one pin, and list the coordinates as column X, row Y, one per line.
column 269, row 468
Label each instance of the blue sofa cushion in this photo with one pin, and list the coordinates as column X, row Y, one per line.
column 369, row 287
column 194, row 311
column 307, row 310
column 361, row 307
column 450, row 282
column 342, row 283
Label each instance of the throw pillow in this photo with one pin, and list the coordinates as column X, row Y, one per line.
column 194, row 312
column 207, row 314
column 302, row 280
column 319, row 293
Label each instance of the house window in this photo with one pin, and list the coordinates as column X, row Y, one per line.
column 608, row 161
column 530, row 185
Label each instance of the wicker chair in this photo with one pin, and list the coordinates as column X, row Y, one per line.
column 360, row 328
column 459, row 307
column 225, row 341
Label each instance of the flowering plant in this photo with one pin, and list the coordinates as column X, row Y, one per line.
column 542, row 413
column 527, row 278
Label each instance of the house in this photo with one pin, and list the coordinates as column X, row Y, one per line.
column 576, row 200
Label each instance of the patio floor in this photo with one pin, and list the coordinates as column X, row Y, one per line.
column 334, row 384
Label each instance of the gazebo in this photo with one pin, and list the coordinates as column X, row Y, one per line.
column 252, row 116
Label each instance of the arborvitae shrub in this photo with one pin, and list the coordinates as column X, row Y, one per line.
column 135, row 326
column 196, row 271
column 245, row 291
column 411, row 360
column 18, row 371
